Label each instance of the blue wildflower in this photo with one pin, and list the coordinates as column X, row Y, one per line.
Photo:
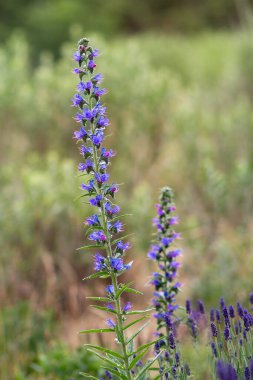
column 109, row 289
column 117, row 227
column 77, row 100
column 110, row 323
column 77, row 56
column 93, row 220
column 121, row 246
column 89, row 187
column 99, row 262
column 102, row 122
column 117, row 263
column 81, row 134
column 94, row 54
column 91, row 65
column 79, row 117
column 77, row 70
column 88, row 166
column 97, row 92
column 128, row 306
column 96, row 201
column 107, row 153
column 97, row 138
column 111, row 209
column 97, row 78
column 98, row 236
column 101, row 178
column 85, row 151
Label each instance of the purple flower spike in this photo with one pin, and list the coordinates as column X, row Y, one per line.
column 172, row 343
column 201, row 307
column 226, row 333
column 231, row 311
column 188, row 306
column 104, row 225
column 214, row 330
column 225, row 371
column 212, row 315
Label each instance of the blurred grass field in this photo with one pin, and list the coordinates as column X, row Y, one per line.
column 181, row 115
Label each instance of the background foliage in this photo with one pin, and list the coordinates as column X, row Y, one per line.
column 181, row 112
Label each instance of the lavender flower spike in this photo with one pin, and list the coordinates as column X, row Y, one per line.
column 103, row 229
column 163, row 252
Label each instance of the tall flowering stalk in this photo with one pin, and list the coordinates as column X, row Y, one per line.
column 166, row 286
column 104, row 224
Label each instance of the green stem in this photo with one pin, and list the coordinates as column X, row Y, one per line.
column 113, row 275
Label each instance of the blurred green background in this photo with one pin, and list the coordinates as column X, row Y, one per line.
column 179, row 75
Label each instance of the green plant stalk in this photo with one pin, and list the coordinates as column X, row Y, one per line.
column 113, row 275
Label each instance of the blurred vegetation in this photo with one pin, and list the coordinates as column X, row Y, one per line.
column 181, row 115
column 28, row 350
column 112, row 17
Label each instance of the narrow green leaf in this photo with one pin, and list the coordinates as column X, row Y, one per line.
column 120, row 216
column 137, row 358
column 91, row 246
column 96, row 331
column 122, row 289
column 144, row 346
column 131, row 290
column 104, row 309
column 157, row 377
column 135, row 312
column 81, row 196
column 88, row 376
column 106, row 350
column 105, row 359
column 82, row 175
column 103, row 299
column 146, row 367
column 121, row 238
column 102, row 274
column 137, row 332
column 134, row 322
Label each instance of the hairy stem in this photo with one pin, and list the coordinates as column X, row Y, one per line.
column 113, row 275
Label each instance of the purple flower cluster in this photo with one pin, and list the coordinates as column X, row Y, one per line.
column 162, row 251
column 165, row 255
column 231, row 338
column 231, row 332
column 91, row 116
